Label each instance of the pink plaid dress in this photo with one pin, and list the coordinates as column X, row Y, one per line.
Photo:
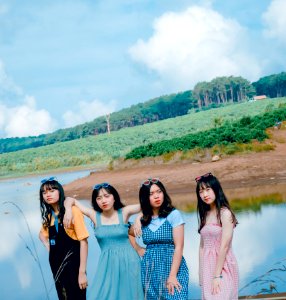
column 211, row 235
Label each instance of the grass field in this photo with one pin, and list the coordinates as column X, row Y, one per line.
column 101, row 149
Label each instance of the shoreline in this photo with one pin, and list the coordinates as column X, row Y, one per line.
column 247, row 175
column 241, row 176
column 53, row 171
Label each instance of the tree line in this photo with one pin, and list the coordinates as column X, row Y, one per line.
column 160, row 108
column 205, row 95
column 221, row 90
column 272, row 86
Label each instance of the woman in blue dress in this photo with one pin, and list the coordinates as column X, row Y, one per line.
column 164, row 270
column 118, row 272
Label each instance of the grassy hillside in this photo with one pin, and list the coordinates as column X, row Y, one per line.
column 101, row 149
column 160, row 108
column 242, row 131
column 218, row 92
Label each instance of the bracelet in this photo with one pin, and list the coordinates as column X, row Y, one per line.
column 215, row 277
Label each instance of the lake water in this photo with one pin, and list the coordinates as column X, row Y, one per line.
column 259, row 244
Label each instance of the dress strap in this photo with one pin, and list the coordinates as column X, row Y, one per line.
column 120, row 216
column 98, row 218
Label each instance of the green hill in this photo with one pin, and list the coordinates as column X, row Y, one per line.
column 99, row 150
column 242, row 131
column 218, row 92
column 160, row 108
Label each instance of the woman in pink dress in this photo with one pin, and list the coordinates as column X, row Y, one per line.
column 218, row 270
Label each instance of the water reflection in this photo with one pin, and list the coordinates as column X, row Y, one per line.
column 258, row 244
column 20, row 276
column 252, row 204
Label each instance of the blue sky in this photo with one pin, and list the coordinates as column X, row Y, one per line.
column 66, row 62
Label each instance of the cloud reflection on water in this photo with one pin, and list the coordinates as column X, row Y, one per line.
column 257, row 244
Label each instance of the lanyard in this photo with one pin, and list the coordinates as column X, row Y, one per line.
column 56, row 221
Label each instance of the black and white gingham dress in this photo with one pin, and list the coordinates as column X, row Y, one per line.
column 156, row 264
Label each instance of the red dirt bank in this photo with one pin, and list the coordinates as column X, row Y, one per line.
column 241, row 176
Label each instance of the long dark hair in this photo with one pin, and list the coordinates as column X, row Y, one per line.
column 220, row 200
column 110, row 190
column 144, row 198
column 46, row 209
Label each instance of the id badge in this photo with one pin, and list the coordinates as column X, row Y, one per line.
column 52, row 242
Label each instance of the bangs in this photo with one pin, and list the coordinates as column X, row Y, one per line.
column 203, row 185
column 104, row 190
column 49, row 186
column 107, row 190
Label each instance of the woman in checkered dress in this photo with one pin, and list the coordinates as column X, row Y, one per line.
column 218, row 270
column 164, row 270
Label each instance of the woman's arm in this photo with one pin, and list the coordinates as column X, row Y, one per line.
column 68, row 217
column 82, row 279
column 227, row 232
column 140, row 250
column 136, row 228
column 130, row 210
column 45, row 240
column 201, row 261
column 172, row 282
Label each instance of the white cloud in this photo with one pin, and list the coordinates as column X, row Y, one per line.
column 275, row 20
column 8, row 89
column 25, row 119
column 250, row 244
column 241, row 237
column 194, row 45
column 8, row 232
column 19, row 115
column 87, row 111
column 20, row 118
column 13, row 230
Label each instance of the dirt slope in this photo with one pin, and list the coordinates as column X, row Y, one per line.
column 241, row 176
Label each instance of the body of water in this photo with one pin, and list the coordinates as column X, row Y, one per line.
column 259, row 244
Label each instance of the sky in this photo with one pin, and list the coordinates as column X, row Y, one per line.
column 66, row 62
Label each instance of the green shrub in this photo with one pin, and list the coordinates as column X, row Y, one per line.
column 242, row 131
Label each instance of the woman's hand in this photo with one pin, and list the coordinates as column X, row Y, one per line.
column 140, row 251
column 68, row 217
column 137, row 226
column 216, row 285
column 45, row 240
column 172, row 284
column 82, row 280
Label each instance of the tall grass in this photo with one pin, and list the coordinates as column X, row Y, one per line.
column 34, row 253
column 32, row 250
column 267, row 282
